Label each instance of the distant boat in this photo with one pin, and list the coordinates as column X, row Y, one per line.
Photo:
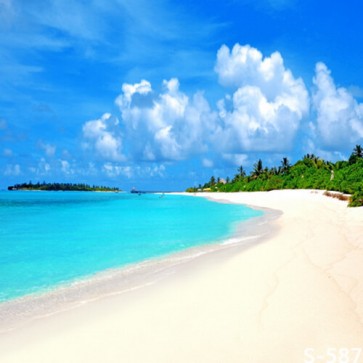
column 135, row 191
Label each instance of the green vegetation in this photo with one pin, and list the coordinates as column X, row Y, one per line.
column 62, row 187
column 309, row 173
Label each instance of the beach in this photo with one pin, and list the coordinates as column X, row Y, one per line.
column 287, row 297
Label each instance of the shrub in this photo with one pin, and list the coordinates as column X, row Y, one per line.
column 356, row 200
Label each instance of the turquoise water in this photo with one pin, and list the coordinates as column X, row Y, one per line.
column 51, row 238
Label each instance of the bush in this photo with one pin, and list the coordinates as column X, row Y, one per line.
column 356, row 200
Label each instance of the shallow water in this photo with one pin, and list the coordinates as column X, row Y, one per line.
column 51, row 238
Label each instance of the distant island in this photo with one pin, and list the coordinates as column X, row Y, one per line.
column 311, row 172
column 62, row 187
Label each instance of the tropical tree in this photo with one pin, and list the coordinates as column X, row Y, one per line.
column 358, row 151
column 275, row 171
column 241, row 172
column 310, row 173
column 212, row 181
column 285, row 165
column 309, row 156
column 357, row 154
column 257, row 169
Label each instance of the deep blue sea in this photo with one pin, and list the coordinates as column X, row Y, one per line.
column 51, row 238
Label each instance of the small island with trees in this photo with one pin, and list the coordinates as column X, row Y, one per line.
column 311, row 172
column 67, row 187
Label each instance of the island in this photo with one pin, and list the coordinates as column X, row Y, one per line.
column 68, row 187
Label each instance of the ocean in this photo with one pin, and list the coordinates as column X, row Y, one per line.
column 50, row 239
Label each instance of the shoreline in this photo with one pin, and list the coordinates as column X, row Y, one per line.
column 302, row 288
column 21, row 311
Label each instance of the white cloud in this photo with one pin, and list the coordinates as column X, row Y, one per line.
column 48, row 148
column 262, row 111
column 91, row 169
column 262, row 114
column 102, row 135
column 74, row 19
column 311, row 147
column 207, row 163
column 43, row 168
column 115, row 170
column 339, row 115
column 142, row 88
column 12, row 170
column 236, row 159
column 168, row 126
column 155, row 170
column 267, row 106
column 66, row 167
column 131, row 171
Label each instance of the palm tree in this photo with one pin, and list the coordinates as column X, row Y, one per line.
column 241, row 172
column 212, row 181
column 275, row 171
column 356, row 154
column 310, row 156
column 257, row 169
column 285, row 165
column 358, row 151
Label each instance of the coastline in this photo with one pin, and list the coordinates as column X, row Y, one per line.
column 23, row 310
column 301, row 288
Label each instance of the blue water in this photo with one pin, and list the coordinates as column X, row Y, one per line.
column 50, row 238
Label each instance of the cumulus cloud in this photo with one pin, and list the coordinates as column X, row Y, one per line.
column 262, row 111
column 130, row 171
column 48, row 148
column 339, row 115
column 43, row 167
column 115, row 170
column 12, row 170
column 268, row 103
column 66, row 167
column 142, row 88
column 236, row 159
column 102, row 136
column 167, row 126
column 207, row 163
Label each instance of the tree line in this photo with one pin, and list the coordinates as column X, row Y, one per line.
column 311, row 172
column 80, row 187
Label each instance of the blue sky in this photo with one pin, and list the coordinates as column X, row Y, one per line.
column 163, row 94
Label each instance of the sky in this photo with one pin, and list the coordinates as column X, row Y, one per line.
column 163, row 94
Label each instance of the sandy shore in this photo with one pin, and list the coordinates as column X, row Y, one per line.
column 301, row 288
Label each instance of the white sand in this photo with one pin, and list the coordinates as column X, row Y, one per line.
column 301, row 288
